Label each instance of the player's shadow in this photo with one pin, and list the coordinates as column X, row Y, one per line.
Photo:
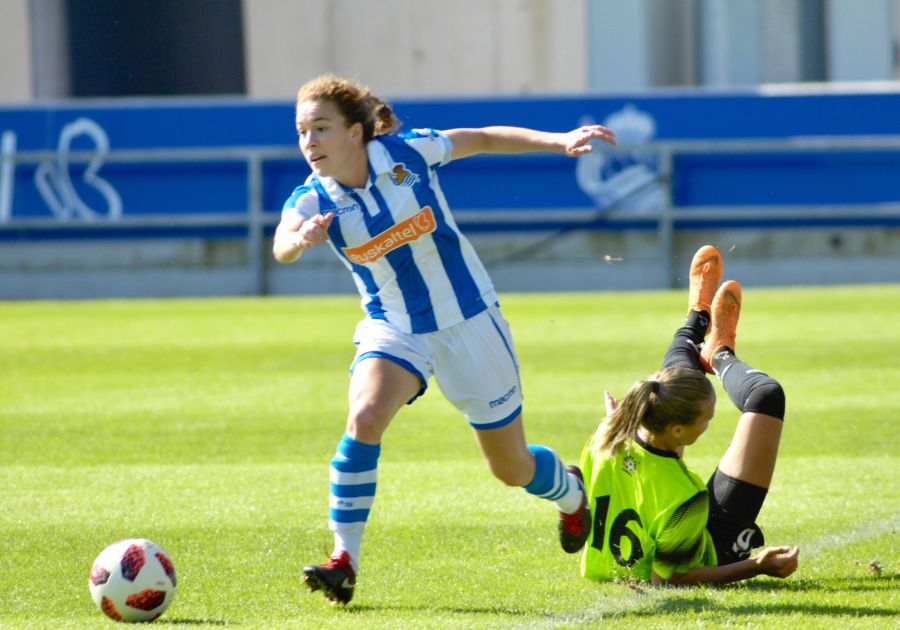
column 885, row 581
column 694, row 602
column 702, row 604
column 194, row 622
column 459, row 610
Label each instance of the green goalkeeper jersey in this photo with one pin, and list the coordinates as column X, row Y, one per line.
column 649, row 511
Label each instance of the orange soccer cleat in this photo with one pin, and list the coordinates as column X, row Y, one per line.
column 726, row 309
column 705, row 277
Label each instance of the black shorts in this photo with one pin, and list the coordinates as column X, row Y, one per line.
column 733, row 508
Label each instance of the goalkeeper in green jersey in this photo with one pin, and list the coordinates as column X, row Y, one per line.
column 653, row 517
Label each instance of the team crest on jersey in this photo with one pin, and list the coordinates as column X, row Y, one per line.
column 629, row 464
column 402, row 176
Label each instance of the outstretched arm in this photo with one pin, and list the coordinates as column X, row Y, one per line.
column 468, row 142
column 775, row 561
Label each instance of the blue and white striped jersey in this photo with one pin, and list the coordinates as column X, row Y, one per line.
column 411, row 264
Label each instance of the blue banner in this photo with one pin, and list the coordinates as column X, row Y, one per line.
column 100, row 189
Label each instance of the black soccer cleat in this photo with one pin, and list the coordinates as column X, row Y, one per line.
column 574, row 529
column 336, row 578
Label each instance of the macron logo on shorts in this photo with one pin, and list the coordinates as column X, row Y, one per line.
column 413, row 228
column 502, row 400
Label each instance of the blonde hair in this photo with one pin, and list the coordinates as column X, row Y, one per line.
column 670, row 396
column 355, row 102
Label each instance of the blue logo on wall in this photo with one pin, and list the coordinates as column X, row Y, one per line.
column 625, row 182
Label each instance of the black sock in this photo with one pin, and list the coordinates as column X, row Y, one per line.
column 683, row 350
column 751, row 390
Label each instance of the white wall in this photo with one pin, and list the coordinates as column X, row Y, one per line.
column 403, row 48
column 860, row 40
column 895, row 40
column 504, row 47
column 15, row 56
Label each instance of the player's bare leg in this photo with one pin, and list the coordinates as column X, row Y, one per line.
column 540, row 472
column 741, row 481
column 378, row 389
column 753, row 450
column 507, row 454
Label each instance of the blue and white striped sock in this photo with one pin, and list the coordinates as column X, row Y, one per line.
column 552, row 481
column 354, row 472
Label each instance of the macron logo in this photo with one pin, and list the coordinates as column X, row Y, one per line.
column 413, row 228
column 502, row 400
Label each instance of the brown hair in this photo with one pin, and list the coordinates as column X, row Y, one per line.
column 671, row 396
column 355, row 102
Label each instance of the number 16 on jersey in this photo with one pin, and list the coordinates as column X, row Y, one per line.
column 618, row 533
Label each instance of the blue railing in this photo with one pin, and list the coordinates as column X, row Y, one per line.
column 646, row 191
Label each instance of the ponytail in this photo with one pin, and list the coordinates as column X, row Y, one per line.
column 622, row 424
column 671, row 396
column 384, row 121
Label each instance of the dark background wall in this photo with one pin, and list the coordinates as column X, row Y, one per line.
column 156, row 47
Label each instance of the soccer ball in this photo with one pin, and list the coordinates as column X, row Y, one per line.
column 132, row 580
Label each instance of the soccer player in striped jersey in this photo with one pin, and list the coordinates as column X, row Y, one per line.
column 430, row 307
column 653, row 517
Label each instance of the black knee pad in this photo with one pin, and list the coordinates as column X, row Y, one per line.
column 767, row 398
column 740, row 500
column 733, row 508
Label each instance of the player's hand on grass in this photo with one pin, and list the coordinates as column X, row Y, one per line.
column 777, row 561
column 577, row 142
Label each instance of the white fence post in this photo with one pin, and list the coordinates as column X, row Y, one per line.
column 256, row 224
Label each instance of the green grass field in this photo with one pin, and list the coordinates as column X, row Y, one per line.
column 207, row 426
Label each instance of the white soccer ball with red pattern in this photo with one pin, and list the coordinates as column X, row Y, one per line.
column 132, row 580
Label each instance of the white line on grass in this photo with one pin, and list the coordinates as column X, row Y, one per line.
column 864, row 532
column 650, row 597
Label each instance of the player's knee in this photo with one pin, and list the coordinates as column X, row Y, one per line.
column 366, row 422
column 767, row 398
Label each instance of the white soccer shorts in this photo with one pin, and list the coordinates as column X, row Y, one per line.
column 473, row 362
